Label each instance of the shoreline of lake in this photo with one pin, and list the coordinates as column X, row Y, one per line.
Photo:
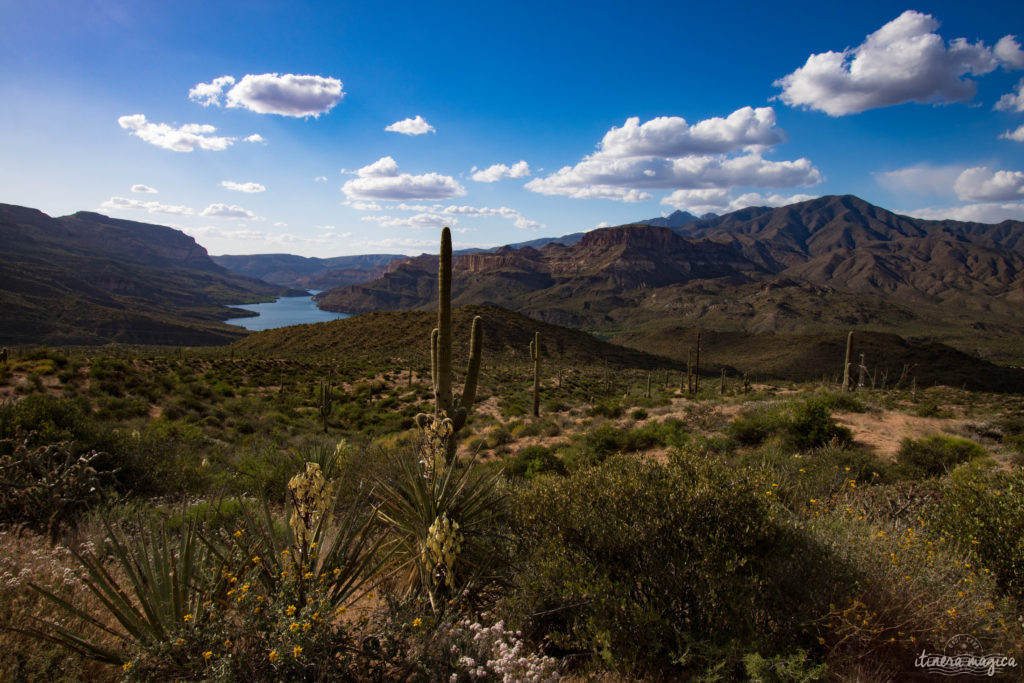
column 283, row 312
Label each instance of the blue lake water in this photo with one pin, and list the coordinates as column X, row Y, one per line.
column 287, row 310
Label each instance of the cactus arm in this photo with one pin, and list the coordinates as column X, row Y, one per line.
column 847, row 383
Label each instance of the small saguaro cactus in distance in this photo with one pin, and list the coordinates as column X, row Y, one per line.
column 325, row 401
column 722, row 388
column 535, row 355
column 696, row 369
column 647, row 394
column 3, row 355
column 847, row 380
column 446, row 405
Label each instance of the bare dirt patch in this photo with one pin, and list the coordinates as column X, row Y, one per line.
column 883, row 432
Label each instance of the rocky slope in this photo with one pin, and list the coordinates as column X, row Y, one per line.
column 90, row 279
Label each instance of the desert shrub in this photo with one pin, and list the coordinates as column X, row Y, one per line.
column 812, row 426
column 679, row 557
column 813, row 478
column 46, row 487
column 934, row 455
column 984, row 511
column 753, row 426
column 638, row 414
column 610, row 409
column 532, row 461
column 809, row 425
column 902, row 591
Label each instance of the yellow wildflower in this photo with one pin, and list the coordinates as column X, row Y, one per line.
column 127, row 666
column 207, row 655
column 417, row 622
column 187, row 618
column 291, row 610
column 297, row 651
column 272, row 656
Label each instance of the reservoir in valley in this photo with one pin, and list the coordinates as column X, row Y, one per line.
column 287, row 310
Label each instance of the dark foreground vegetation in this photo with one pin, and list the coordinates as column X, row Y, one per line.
column 197, row 515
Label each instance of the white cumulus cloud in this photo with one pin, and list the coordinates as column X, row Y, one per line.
column 904, row 61
column 673, row 137
column 1017, row 135
column 667, row 153
column 1012, row 101
column 416, row 126
column 208, row 94
column 382, row 181
column 228, row 211
column 496, row 172
column 922, row 179
column 320, row 179
column 151, row 207
column 255, row 137
column 242, row 187
column 980, row 184
column 700, row 202
column 598, row 176
column 985, row 212
column 181, row 139
column 143, row 189
column 1009, row 53
column 286, row 94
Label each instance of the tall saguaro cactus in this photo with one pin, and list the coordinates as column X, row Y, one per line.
column 535, row 355
column 447, row 405
column 847, row 379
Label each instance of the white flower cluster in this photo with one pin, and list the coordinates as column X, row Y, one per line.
column 437, row 433
column 442, row 548
column 496, row 652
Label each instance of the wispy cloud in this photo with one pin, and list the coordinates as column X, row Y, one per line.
column 496, row 172
column 143, row 189
column 242, row 187
column 179, row 139
column 151, row 207
column 228, row 211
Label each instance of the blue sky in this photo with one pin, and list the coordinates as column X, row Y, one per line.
column 337, row 128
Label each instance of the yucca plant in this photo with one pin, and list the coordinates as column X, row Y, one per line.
column 441, row 528
column 315, row 549
column 158, row 588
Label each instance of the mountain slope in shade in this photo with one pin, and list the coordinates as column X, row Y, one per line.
column 90, row 279
column 557, row 283
column 676, row 219
column 308, row 272
column 404, row 337
column 888, row 358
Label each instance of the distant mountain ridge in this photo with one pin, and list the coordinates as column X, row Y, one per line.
column 90, row 279
column 308, row 272
column 810, row 266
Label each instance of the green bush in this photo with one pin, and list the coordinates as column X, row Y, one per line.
column 532, row 461
column 677, row 557
column 809, row 426
column 984, row 510
column 934, row 455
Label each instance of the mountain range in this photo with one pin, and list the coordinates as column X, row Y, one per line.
column 830, row 263
column 305, row 272
column 90, row 279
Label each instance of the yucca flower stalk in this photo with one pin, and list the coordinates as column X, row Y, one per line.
column 453, row 514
